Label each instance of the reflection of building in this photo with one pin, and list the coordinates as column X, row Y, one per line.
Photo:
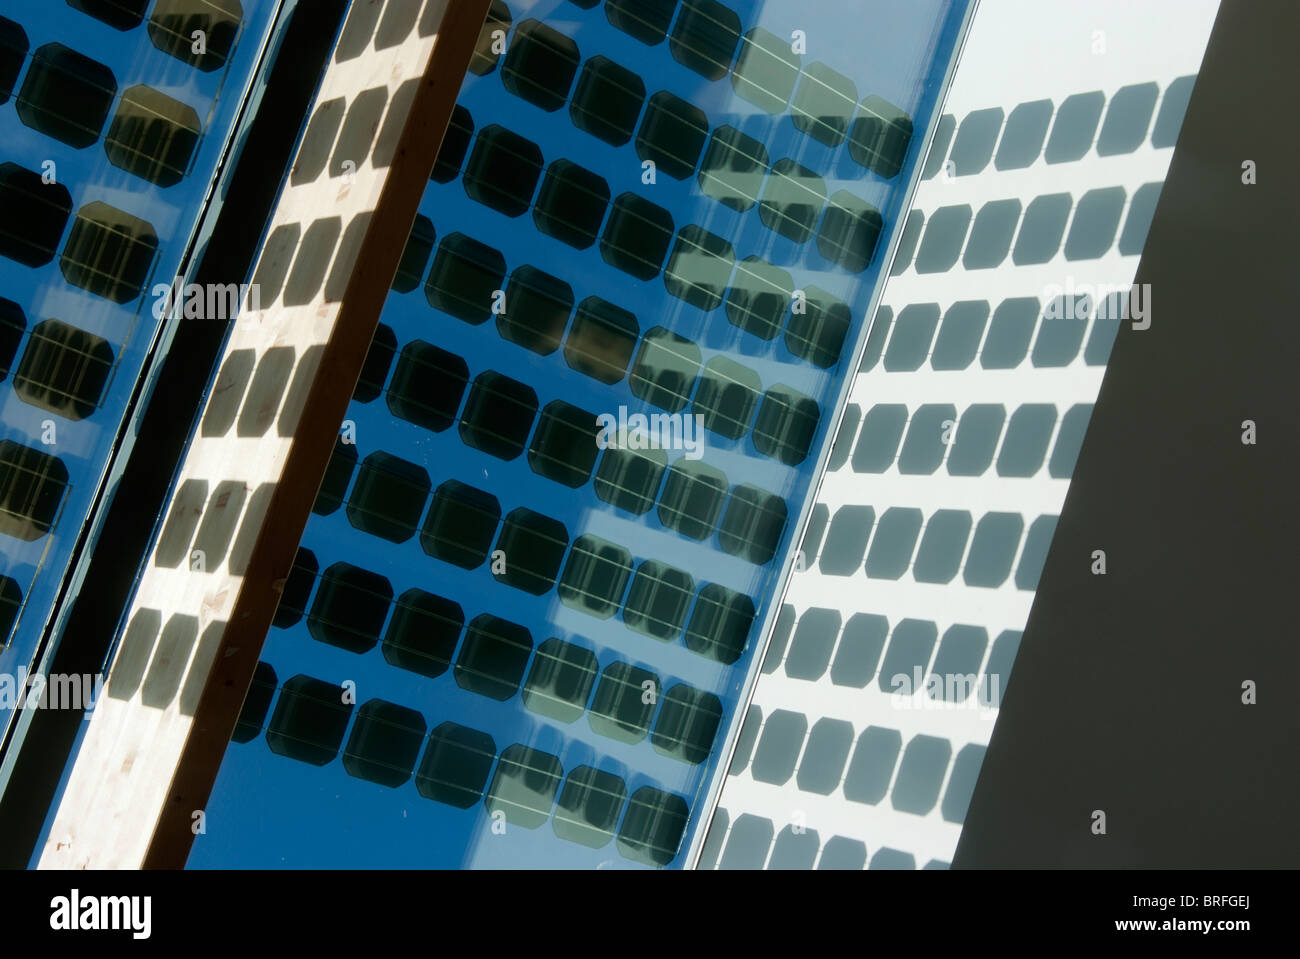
column 117, row 118
column 958, row 441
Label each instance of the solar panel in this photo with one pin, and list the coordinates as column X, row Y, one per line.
column 530, row 603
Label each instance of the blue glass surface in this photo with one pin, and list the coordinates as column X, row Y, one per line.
column 84, row 446
column 272, row 810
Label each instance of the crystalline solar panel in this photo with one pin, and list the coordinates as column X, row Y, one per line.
column 575, row 484
column 113, row 128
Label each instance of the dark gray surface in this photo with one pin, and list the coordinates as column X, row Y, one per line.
column 1128, row 686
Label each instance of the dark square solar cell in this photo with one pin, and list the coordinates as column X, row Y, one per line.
column 63, row 370
column 601, row 340
column 350, row 608
column 172, row 26
column 536, row 310
column 787, row 422
column 13, row 54
column 540, row 64
column 493, row 656
column 31, row 489
column 41, row 208
column 699, row 267
column 460, row 524
column 427, row 385
column 629, row 479
column 766, row 70
column 637, row 236
column 422, row 633
column 692, row 498
column 66, row 95
column 456, row 764
column 760, row 297
column 752, row 524
column 688, row 723
column 524, row 787
column 596, row 576
column 727, row 397
column 734, row 168
column 849, row 232
column 665, row 370
column 658, row 600
column 607, row 101
column 880, row 137
column 653, row 827
column 793, row 198
column 252, row 715
column 503, row 170
column 560, row 681
column 153, row 136
column 589, row 806
column 571, row 204
column 109, row 253
column 720, row 624
column 824, row 104
column 531, row 547
column 818, row 332
column 705, row 38
column 11, row 601
column 672, row 134
column 385, row 743
column 564, row 445
column 498, row 415
column 388, row 497
column 309, row 721
column 625, row 702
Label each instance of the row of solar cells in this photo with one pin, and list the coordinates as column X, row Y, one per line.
column 1092, row 230
column 503, row 171
column 1023, row 138
column 820, row 757
column 460, row 766
column 429, row 383
column 468, row 280
column 1003, row 343
column 389, row 497
column 429, row 386
column 464, row 281
column 541, row 63
column 352, row 606
column 853, row 654
column 67, row 96
column 750, row 840
column 965, row 445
